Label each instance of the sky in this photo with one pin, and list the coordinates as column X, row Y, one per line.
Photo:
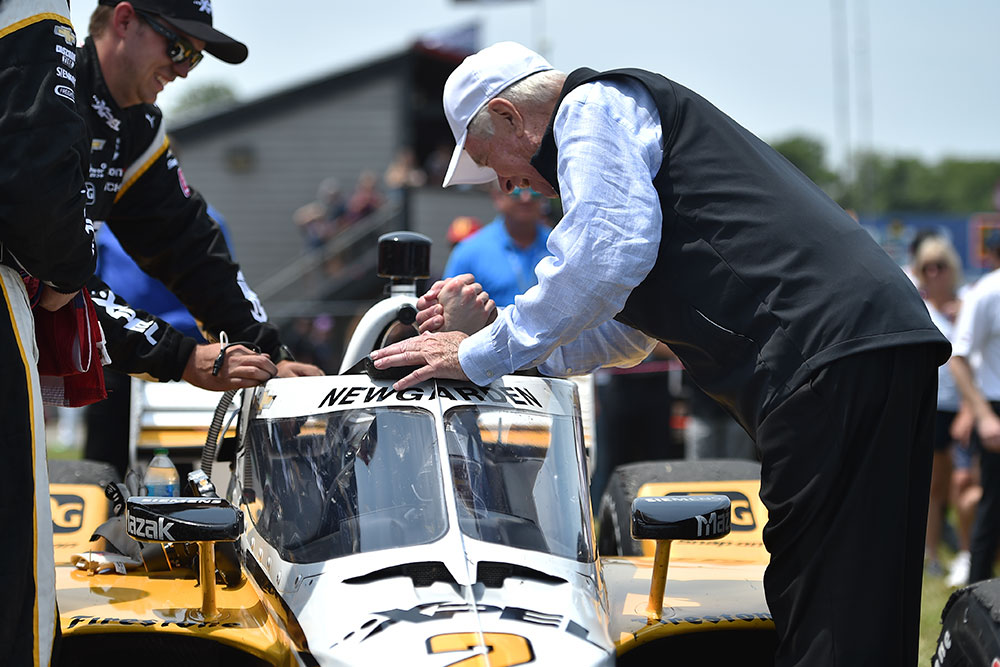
column 915, row 78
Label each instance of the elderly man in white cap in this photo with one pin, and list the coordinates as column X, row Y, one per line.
column 681, row 226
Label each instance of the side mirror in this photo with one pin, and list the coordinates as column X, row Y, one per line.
column 670, row 518
column 201, row 520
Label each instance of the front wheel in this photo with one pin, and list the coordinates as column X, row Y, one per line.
column 970, row 627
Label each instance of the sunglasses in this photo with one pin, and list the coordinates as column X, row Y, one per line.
column 517, row 192
column 937, row 266
column 178, row 48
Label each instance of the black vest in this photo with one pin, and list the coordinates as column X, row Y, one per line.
column 760, row 278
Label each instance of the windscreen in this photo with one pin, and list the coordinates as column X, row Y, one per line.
column 518, row 479
column 346, row 482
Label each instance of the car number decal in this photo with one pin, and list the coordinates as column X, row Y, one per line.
column 505, row 649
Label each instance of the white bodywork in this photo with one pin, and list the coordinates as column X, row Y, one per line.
column 355, row 604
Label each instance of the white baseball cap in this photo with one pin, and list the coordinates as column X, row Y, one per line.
column 480, row 78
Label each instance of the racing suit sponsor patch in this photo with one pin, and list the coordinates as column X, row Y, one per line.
column 104, row 112
column 106, row 300
column 256, row 307
column 64, row 74
column 68, row 55
column 183, row 182
column 65, row 32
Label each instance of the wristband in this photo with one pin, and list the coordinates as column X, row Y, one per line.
column 224, row 345
column 282, row 354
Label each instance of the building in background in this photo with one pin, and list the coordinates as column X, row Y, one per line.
column 261, row 161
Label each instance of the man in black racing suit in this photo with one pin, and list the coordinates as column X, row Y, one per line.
column 43, row 234
column 135, row 185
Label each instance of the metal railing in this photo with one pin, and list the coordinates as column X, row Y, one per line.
column 317, row 276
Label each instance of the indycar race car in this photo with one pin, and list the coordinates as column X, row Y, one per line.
column 345, row 523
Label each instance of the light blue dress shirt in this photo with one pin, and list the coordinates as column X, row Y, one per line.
column 610, row 147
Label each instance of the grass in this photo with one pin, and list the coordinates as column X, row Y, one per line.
column 935, row 594
column 55, row 448
column 56, row 452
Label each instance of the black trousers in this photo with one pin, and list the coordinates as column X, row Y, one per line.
column 986, row 529
column 846, row 464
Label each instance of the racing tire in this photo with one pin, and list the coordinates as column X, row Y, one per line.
column 970, row 627
column 82, row 472
column 614, row 532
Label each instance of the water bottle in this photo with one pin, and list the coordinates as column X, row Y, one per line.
column 161, row 476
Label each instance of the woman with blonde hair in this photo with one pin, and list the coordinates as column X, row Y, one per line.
column 938, row 272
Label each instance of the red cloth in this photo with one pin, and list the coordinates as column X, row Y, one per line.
column 70, row 351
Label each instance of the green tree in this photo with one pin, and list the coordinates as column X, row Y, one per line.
column 809, row 156
column 884, row 184
column 203, row 99
column 968, row 185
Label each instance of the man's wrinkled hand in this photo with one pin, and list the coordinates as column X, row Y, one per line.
column 455, row 304
column 240, row 368
column 436, row 354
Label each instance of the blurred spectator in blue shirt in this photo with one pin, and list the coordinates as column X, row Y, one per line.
column 123, row 275
column 503, row 254
column 107, row 422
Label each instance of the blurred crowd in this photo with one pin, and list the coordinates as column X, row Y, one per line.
column 335, row 209
column 309, row 339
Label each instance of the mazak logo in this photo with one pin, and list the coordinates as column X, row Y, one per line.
column 67, row 513
column 742, row 515
column 152, row 530
column 713, row 524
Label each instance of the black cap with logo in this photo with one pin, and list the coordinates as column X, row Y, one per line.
column 193, row 17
